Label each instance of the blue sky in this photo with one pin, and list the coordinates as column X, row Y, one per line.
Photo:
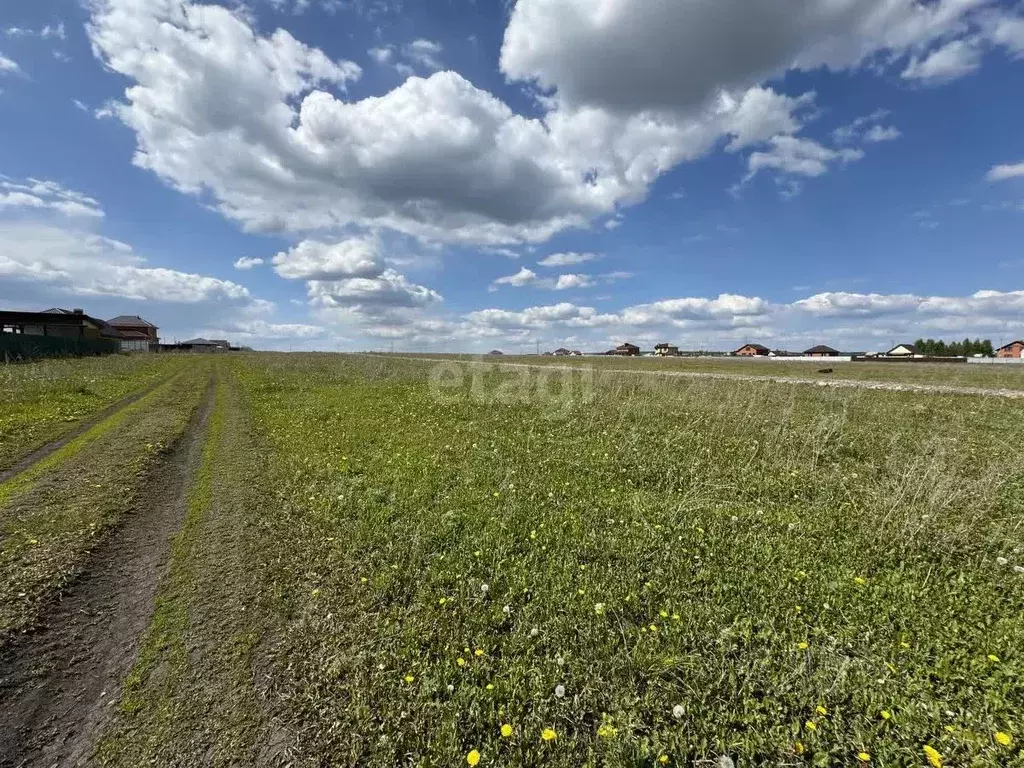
column 459, row 175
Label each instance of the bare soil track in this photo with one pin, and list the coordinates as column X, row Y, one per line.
column 41, row 453
column 57, row 683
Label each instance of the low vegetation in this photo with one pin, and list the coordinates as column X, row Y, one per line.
column 384, row 564
column 53, row 514
column 46, row 399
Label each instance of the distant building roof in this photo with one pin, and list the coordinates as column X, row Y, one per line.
column 201, row 342
column 821, row 349
column 495, row 352
column 130, row 320
column 627, row 345
column 758, row 347
column 1007, row 346
column 909, row 347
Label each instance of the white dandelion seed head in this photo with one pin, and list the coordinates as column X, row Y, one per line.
column 485, row 588
column 1001, row 561
column 507, row 609
column 791, row 526
column 534, row 632
column 734, row 519
column 678, row 711
column 1018, row 569
column 559, row 661
column 559, row 691
column 450, row 687
column 725, row 761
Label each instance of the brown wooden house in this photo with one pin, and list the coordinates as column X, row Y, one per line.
column 625, row 350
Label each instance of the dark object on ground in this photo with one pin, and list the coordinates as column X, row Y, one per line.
column 825, row 370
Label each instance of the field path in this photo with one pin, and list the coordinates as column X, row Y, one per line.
column 889, row 386
column 33, row 458
column 57, row 683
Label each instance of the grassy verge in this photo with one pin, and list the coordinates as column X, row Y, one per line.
column 51, row 519
column 44, row 400
column 952, row 374
column 191, row 698
column 663, row 574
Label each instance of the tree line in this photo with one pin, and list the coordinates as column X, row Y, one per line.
column 965, row 348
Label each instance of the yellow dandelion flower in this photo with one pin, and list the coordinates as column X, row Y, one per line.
column 802, row 646
column 663, row 759
column 473, row 757
column 864, row 757
column 886, row 714
column 860, row 580
column 478, row 652
column 810, row 725
column 663, row 614
column 506, row 731
column 904, row 645
column 934, row 758
column 1004, row 739
column 654, row 627
column 409, row 678
column 993, row 658
column 675, row 617
column 799, row 748
column 607, row 731
column 460, row 661
column 821, row 710
column 490, row 686
column 548, row 734
column 442, row 601
column 950, row 729
column 363, row 579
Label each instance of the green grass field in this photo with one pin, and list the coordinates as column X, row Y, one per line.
column 386, row 562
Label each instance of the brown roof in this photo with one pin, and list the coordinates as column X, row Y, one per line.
column 1007, row 346
column 820, row 349
column 759, row 347
column 132, row 321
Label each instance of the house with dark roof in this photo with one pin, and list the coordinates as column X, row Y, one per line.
column 666, row 350
column 822, row 351
column 205, row 345
column 752, row 350
column 562, row 352
column 55, row 332
column 904, row 350
column 137, row 335
column 625, row 350
column 1013, row 349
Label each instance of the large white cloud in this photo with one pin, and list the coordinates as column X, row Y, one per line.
column 315, row 260
column 261, row 122
column 631, row 57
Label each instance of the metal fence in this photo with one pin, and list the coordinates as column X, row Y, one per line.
column 24, row 346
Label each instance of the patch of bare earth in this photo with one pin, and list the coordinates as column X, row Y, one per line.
column 57, row 684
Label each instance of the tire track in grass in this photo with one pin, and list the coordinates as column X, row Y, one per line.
column 29, row 468
column 56, row 684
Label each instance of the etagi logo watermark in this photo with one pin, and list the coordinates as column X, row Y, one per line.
column 555, row 390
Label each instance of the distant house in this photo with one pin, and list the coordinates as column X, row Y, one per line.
column 562, row 352
column 137, row 335
column 666, row 350
column 205, row 345
column 822, row 351
column 1013, row 349
column 495, row 352
column 626, row 350
column 752, row 350
column 904, row 350
column 576, row 353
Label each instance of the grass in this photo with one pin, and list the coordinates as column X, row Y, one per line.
column 701, row 568
column 53, row 514
column 645, row 571
column 46, row 399
column 951, row 374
